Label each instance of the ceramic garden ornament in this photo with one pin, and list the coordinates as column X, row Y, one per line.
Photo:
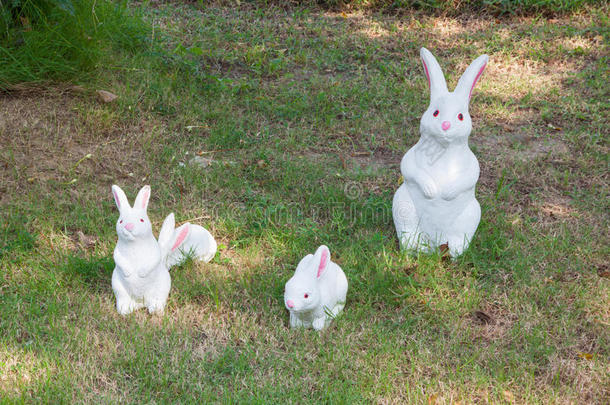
column 316, row 293
column 141, row 274
column 436, row 204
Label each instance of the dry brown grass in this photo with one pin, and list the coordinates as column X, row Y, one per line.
column 47, row 139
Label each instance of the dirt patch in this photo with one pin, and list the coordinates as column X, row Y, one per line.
column 491, row 322
column 49, row 141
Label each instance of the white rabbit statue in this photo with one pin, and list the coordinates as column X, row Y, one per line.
column 141, row 274
column 436, row 204
column 316, row 293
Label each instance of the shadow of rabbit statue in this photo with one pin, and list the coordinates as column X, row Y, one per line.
column 141, row 274
column 436, row 204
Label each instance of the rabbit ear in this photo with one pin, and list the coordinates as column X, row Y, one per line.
column 180, row 235
column 470, row 76
column 141, row 201
column 120, row 198
column 167, row 232
column 436, row 78
column 321, row 259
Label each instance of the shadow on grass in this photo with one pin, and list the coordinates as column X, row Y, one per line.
column 15, row 237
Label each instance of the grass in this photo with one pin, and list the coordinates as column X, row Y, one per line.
column 63, row 40
column 306, row 114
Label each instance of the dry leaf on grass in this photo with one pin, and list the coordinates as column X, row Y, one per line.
column 603, row 271
column 445, row 256
column 86, row 241
column 106, row 96
column 585, row 356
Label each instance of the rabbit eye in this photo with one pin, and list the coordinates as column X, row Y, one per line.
column 306, row 295
column 435, row 113
column 121, row 221
column 141, row 219
column 461, row 117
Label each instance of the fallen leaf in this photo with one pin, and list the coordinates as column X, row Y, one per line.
column 445, row 256
column 343, row 162
column 432, row 399
column 86, row 241
column 26, row 23
column 106, row 96
column 585, row 356
column 410, row 268
column 78, row 89
column 508, row 396
column 343, row 15
column 554, row 127
column 201, row 162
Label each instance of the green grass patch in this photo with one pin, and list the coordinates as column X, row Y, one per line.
column 64, row 40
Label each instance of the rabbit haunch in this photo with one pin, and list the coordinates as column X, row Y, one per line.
column 141, row 274
column 316, row 293
column 436, row 204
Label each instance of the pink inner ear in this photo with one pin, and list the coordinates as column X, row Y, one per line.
column 476, row 79
column 145, row 199
column 181, row 238
column 426, row 70
column 323, row 262
column 116, row 199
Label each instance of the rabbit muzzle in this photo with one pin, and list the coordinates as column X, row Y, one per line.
column 126, row 234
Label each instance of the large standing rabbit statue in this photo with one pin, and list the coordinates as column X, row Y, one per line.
column 141, row 276
column 436, row 204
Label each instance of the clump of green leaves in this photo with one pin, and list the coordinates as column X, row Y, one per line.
column 44, row 40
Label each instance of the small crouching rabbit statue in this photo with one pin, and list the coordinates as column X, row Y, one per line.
column 316, row 293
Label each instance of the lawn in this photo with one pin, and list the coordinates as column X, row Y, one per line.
column 305, row 114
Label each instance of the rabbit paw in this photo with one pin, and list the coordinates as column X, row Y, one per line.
column 429, row 188
column 450, row 192
column 319, row 323
column 155, row 306
column 295, row 322
column 126, row 306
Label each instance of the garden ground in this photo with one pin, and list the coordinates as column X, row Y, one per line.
column 305, row 115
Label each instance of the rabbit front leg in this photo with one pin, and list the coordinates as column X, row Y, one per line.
column 156, row 306
column 295, row 322
column 125, row 304
column 122, row 263
column 156, row 297
column 463, row 181
column 319, row 323
column 416, row 175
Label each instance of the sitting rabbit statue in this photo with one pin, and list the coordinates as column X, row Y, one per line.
column 436, row 204
column 316, row 293
column 141, row 274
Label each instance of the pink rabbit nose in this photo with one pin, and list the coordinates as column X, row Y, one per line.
column 290, row 304
column 129, row 226
column 446, row 125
